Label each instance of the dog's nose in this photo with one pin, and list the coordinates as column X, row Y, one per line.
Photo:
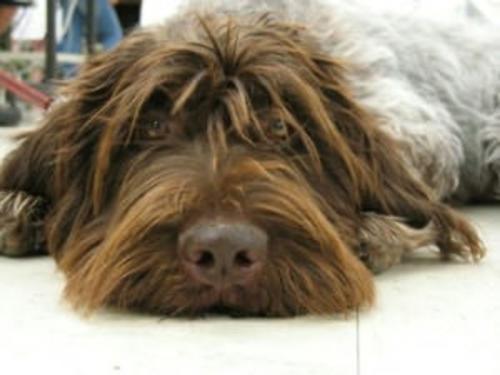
column 223, row 254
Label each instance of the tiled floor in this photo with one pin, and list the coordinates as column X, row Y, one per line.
column 430, row 318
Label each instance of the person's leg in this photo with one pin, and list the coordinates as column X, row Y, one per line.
column 108, row 25
column 71, row 41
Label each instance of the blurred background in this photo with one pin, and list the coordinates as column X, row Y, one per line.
column 45, row 41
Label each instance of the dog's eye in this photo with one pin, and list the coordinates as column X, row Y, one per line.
column 154, row 128
column 154, row 125
column 278, row 129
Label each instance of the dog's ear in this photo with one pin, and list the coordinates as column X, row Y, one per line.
column 369, row 166
column 50, row 159
column 396, row 189
column 28, row 167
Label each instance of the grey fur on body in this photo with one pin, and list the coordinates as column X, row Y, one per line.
column 435, row 85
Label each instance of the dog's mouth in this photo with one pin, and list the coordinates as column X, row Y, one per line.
column 234, row 301
column 227, row 311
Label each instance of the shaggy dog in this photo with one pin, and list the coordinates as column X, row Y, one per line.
column 259, row 157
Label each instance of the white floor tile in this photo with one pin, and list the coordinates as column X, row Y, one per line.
column 435, row 318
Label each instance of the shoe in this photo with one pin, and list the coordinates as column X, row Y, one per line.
column 9, row 115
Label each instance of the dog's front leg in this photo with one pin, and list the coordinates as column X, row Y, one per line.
column 385, row 239
column 21, row 224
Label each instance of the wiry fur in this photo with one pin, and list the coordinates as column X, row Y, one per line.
column 376, row 137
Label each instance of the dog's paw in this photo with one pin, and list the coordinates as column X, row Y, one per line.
column 457, row 237
column 384, row 239
column 379, row 258
column 21, row 224
column 464, row 245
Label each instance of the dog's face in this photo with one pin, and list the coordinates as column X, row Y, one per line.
column 217, row 165
column 209, row 175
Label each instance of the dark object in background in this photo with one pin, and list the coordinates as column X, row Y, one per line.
column 9, row 114
column 19, row 3
column 129, row 13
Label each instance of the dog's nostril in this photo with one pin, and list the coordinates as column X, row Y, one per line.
column 243, row 259
column 205, row 259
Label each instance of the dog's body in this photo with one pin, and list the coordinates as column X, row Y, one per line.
column 253, row 155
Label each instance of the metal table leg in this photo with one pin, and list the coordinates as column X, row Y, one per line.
column 91, row 26
column 50, row 41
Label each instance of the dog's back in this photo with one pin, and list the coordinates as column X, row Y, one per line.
column 443, row 80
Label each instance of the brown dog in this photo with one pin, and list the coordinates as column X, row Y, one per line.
column 219, row 163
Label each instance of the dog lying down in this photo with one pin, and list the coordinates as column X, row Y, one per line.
column 259, row 157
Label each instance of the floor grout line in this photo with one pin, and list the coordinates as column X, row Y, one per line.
column 358, row 344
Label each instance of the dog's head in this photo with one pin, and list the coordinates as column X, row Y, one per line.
column 217, row 164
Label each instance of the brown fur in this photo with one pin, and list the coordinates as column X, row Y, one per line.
column 119, row 191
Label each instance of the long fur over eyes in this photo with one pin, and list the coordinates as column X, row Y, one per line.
column 239, row 114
